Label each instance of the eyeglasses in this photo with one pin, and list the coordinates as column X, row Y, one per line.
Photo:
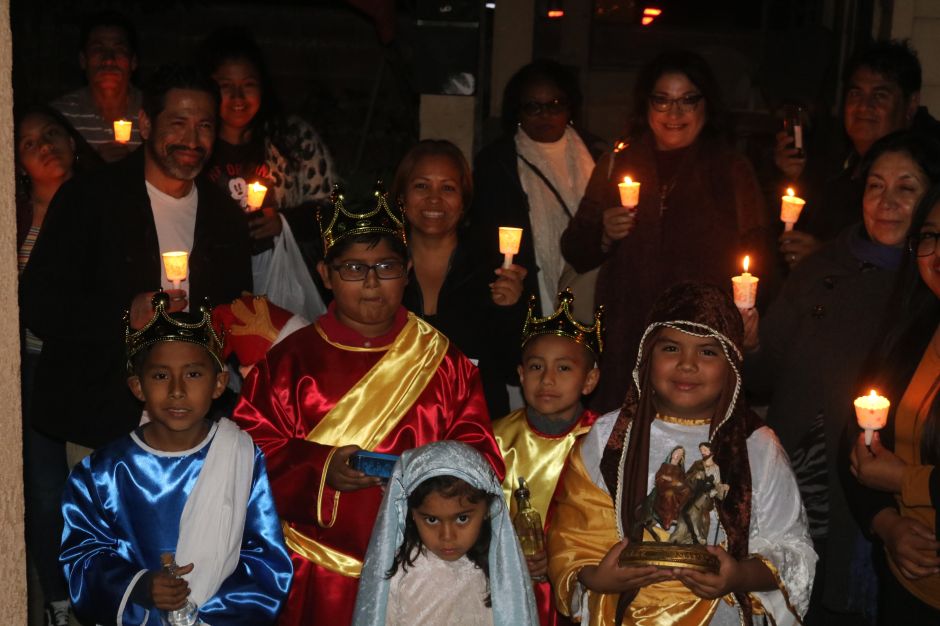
column 923, row 244
column 384, row 270
column 686, row 104
column 552, row 107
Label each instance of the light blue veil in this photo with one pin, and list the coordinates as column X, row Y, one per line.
column 510, row 586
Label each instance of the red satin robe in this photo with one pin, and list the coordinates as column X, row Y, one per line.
column 290, row 391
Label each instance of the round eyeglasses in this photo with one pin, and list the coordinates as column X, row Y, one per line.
column 686, row 104
column 552, row 107
column 384, row 270
column 923, row 244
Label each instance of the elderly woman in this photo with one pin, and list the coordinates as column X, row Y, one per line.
column 534, row 176
column 898, row 489
column 812, row 344
column 700, row 210
column 477, row 305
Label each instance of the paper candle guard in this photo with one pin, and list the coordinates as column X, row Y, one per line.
column 509, row 240
column 629, row 193
column 745, row 288
column 790, row 208
column 256, row 193
column 871, row 411
column 176, row 265
column 122, row 131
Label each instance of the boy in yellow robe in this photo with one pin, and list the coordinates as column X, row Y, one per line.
column 559, row 366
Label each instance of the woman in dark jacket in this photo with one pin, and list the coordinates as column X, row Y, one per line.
column 700, row 210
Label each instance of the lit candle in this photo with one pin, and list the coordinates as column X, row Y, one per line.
column 629, row 193
column 790, row 207
column 745, row 288
column 509, row 239
column 871, row 411
column 256, row 193
column 122, row 130
column 176, row 266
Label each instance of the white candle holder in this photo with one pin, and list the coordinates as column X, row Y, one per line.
column 176, row 265
column 509, row 240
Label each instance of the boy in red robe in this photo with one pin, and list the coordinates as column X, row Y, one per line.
column 367, row 375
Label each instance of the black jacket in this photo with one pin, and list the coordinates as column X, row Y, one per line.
column 98, row 249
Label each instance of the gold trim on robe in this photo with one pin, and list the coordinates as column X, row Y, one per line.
column 367, row 414
column 583, row 529
column 534, row 456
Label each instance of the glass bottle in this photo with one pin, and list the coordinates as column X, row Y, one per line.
column 793, row 125
column 189, row 614
column 528, row 523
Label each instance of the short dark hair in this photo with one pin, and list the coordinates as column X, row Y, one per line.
column 923, row 150
column 175, row 76
column 139, row 360
column 433, row 147
column 107, row 19
column 539, row 71
column 693, row 67
column 894, row 59
column 371, row 240
column 590, row 359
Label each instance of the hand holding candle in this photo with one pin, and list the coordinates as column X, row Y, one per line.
column 176, row 265
column 871, row 411
column 629, row 193
column 790, row 208
column 509, row 239
column 122, row 130
column 745, row 288
column 256, row 192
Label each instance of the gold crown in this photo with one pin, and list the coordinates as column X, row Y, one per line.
column 344, row 223
column 189, row 327
column 563, row 324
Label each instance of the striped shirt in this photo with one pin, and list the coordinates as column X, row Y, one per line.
column 33, row 343
column 79, row 109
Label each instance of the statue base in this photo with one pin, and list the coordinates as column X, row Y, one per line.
column 669, row 555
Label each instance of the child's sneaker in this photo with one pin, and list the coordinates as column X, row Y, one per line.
column 57, row 613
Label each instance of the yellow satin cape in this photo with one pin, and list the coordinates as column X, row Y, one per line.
column 583, row 529
column 365, row 416
column 537, row 458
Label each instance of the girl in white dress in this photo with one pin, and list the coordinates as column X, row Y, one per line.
column 443, row 550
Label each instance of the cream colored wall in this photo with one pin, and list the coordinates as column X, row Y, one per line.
column 12, row 545
column 919, row 21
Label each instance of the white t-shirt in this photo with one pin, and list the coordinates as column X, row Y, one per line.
column 175, row 219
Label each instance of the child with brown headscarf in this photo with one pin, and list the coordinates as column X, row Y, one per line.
column 686, row 390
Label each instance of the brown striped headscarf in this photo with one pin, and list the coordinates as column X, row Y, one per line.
column 704, row 311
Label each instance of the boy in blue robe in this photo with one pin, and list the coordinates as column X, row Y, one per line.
column 179, row 485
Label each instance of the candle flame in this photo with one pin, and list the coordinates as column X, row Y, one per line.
column 747, row 262
column 790, row 191
column 258, row 187
column 873, row 394
column 627, row 180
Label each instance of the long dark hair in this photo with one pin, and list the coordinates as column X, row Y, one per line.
column 693, row 67
column 446, row 487
column 237, row 44
column 923, row 149
column 906, row 332
column 84, row 158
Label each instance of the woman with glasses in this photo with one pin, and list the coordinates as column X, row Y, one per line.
column 700, row 210
column 534, row 176
column 809, row 349
column 897, row 492
column 451, row 286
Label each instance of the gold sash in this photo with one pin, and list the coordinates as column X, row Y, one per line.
column 366, row 415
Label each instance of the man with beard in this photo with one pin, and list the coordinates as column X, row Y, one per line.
column 108, row 57
column 99, row 255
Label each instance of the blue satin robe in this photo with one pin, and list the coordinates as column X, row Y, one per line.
column 122, row 509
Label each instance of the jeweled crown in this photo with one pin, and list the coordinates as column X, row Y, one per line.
column 193, row 328
column 563, row 324
column 382, row 218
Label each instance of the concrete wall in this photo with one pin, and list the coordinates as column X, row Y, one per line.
column 12, row 544
column 919, row 21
